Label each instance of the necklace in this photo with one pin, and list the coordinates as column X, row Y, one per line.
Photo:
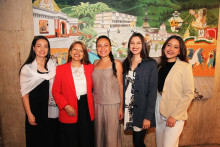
column 78, row 71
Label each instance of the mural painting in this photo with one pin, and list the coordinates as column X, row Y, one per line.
column 59, row 55
column 194, row 20
column 43, row 26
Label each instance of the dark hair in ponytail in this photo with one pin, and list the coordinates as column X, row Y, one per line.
column 110, row 55
column 113, row 63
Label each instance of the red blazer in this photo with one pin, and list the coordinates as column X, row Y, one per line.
column 64, row 91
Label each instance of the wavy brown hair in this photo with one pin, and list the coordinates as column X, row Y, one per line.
column 183, row 52
column 85, row 59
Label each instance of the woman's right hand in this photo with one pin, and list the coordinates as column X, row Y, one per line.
column 70, row 110
column 31, row 119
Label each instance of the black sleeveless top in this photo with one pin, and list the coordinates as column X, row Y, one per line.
column 162, row 74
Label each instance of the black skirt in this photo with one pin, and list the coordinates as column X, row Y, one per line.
column 37, row 136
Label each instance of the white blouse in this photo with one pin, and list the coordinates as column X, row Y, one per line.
column 79, row 79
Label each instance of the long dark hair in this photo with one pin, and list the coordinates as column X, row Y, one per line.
column 144, row 52
column 85, row 59
column 183, row 53
column 32, row 54
column 110, row 54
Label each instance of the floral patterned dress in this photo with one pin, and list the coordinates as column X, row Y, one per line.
column 129, row 103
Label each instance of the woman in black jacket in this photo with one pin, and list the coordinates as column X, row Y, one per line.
column 140, row 89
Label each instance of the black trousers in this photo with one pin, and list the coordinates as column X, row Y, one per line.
column 80, row 134
column 53, row 132
column 138, row 138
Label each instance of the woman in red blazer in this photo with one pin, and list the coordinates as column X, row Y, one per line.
column 72, row 91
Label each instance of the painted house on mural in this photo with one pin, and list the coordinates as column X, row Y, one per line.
column 160, row 34
column 51, row 23
column 114, row 19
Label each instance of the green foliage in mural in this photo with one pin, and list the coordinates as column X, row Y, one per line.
column 89, row 22
column 193, row 31
column 187, row 20
column 140, row 21
column 89, row 31
column 64, row 6
column 88, row 39
column 158, row 11
column 212, row 17
column 122, row 52
column 196, row 4
column 86, row 10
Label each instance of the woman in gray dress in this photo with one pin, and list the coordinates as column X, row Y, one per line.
column 108, row 95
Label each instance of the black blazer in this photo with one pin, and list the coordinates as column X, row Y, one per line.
column 145, row 92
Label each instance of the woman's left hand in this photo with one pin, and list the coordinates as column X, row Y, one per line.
column 171, row 122
column 146, row 124
column 120, row 114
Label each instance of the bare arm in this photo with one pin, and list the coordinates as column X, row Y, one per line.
column 120, row 83
column 31, row 117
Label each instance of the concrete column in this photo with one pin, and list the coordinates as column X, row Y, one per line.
column 16, row 31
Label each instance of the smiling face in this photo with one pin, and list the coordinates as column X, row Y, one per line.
column 135, row 45
column 172, row 50
column 41, row 48
column 77, row 52
column 103, row 47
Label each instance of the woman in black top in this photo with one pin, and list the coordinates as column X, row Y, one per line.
column 36, row 79
column 176, row 89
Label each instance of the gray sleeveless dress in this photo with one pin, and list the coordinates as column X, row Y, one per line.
column 107, row 103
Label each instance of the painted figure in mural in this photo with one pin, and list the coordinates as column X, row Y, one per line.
column 140, row 89
column 175, row 92
column 211, row 59
column 148, row 39
column 108, row 32
column 124, row 43
column 214, row 56
column 175, row 22
column 63, row 58
column 200, row 57
column 108, row 95
column 72, row 91
column 200, row 16
column 118, row 30
column 190, row 54
column 36, row 80
column 196, row 57
column 43, row 26
column 55, row 57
